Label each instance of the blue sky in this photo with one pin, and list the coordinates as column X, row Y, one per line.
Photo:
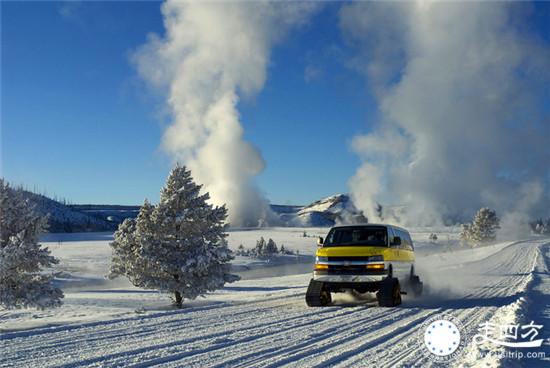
column 78, row 122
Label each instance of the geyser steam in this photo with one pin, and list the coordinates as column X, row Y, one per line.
column 463, row 100
column 211, row 55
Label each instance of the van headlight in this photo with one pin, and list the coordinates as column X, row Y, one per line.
column 376, row 266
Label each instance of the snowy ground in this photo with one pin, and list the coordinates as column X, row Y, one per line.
column 263, row 320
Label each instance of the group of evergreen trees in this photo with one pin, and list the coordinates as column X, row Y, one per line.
column 178, row 246
column 263, row 249
column 541, row 226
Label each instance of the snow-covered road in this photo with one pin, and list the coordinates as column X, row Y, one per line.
column 266, row 323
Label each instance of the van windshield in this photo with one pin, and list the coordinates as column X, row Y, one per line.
column 355, row 235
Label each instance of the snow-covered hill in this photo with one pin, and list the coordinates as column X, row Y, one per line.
column 63, row 218
column 324, row 212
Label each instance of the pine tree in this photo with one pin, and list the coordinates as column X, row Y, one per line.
column 260, row 245
column 133, row 239
column 270, row 248
column 23, row 283
column 125, row 250
column 541, row 226
column 482, row 229
column 177, row 246
column 240, row 250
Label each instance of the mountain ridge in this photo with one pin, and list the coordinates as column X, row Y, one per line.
column 325, row 212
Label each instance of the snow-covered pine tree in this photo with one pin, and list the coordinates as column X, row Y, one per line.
column 482, row 229
column 271, row 248
column 125, row 250
column 485, row 225
column 148, row 237
column 132, row 242
column 23, row 283
column 260, row 245
column 541, row 226
column 177, row 246
column 544, row 228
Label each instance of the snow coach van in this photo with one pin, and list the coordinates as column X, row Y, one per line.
column 375, row 258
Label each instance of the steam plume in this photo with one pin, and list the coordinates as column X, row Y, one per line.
column 212, row 55
column 464, row 111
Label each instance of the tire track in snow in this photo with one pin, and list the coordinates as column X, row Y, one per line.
column 147, row 329
column 199, row 338
column 325, row 334
column 357, row 340
column 136, row 323
column 232, row 344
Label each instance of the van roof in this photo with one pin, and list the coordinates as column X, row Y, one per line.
column 368, row 225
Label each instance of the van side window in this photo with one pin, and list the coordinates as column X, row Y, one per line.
column 399, row 233
column 391, row 234
column 411, row 245
column 404, row 240
column 407, row 243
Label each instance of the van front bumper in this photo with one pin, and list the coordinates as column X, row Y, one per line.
column 324, row 277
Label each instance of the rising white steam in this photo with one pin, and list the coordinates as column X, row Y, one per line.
column 464, row 118
column 214, row 53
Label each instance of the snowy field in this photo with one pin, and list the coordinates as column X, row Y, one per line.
column 262, row 320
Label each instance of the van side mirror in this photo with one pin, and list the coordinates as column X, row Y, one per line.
column 396, row 241
column 320, row 241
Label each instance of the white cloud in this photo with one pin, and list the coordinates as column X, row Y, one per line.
column 460, row 90
column 211, row 55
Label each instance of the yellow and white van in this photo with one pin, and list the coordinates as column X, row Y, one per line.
column 364, row 258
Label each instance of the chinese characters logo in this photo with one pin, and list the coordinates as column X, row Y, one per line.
column 513, row 336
